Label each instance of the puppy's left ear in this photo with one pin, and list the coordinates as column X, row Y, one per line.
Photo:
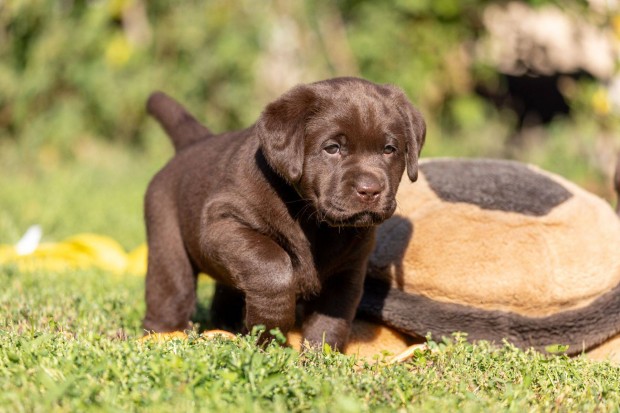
column 415, row 133
column 281, row 131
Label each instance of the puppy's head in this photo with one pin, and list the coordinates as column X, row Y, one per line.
column 344, row 144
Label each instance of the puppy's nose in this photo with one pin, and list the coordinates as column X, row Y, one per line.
column 368, row 189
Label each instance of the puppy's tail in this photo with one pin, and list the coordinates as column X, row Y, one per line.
column 617, row 185
column 178, row 123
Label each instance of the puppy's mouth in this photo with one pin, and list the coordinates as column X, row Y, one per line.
column 336, row 216
column 360, row 219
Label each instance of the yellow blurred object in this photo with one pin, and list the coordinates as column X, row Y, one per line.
column 136, row 260
column 615, row 24
column 118, row 51
column 116, row 7
column 98, row 251
column 7, row 254
column 79, row 251
column 600, row 102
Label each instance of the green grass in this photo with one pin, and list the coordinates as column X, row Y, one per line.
column 68, row 343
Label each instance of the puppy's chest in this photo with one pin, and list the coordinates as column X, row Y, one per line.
column 334, row 250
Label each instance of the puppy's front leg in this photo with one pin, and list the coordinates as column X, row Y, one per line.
column 256, row 265
column 328, row 318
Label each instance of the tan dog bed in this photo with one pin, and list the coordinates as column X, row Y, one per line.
column 496, row 249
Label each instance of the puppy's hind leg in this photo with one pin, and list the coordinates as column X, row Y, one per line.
column 170, row 280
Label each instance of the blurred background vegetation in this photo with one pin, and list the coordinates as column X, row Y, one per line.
column 531, row 80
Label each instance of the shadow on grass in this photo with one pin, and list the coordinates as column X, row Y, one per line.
column 202, row 317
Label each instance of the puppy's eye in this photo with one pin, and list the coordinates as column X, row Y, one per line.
column 389, row 149
column 332, row 149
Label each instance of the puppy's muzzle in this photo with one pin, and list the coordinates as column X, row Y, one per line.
column 363, row 200
column 369, row 189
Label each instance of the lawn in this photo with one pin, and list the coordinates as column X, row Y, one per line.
column 68, row 340
column 68, row 343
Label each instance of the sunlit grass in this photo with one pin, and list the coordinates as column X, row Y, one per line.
column 68, row 343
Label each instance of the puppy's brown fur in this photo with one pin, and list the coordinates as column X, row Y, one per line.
column 280, row 212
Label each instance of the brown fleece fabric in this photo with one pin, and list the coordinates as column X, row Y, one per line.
column 497, row 260
column 535, row 267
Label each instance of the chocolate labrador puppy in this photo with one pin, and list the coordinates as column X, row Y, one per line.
column 281, row 212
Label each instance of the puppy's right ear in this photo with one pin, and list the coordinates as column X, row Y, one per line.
column 281, row 131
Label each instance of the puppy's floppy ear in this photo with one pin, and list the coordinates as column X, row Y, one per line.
column 281, row 131
column 415, row 133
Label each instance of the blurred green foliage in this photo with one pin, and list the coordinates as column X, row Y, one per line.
column 75, row 69
column 81, row 69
